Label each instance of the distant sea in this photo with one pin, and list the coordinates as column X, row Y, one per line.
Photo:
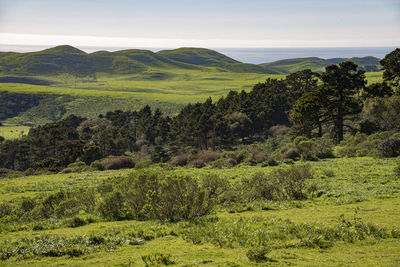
column 247, row 55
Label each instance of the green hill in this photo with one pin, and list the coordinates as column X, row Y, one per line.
column 67, row 59
column 286, row 66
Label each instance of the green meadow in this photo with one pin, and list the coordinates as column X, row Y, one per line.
column 168, row 90
column 13, row 132
column 350, row 217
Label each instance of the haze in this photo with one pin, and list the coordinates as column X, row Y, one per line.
column 207, row 23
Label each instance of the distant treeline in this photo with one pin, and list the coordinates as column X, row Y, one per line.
column 313, row 104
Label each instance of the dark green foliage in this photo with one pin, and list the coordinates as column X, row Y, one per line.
column 370, row 64
column 12, row 104
column 258, row 254
column 380, row 144
column 381, row 114
column 397, row 170
column 151, row 195
column 76, row 167
column 389, row 147
column 378, row 90
column 56, row 246
column 391, row 67
column 278, row 185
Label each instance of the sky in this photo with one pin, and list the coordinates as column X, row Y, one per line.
column 201, row 23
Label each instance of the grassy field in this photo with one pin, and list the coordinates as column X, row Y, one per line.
column 349, row 190
column 168, row 90
column 13, row 132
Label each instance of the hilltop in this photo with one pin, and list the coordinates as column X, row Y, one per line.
column 370, row 64
column 68, row 59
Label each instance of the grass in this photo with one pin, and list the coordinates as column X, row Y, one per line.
column 361, row 189
column 13, row 132
column 168, row 89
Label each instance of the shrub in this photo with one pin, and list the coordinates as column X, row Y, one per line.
column 215, row 185
column 75, row 167
column 116, row 163
column 157, row 259
column 278, row 185
column 77, row 222
column 28, row 204
column 389, row 147
column 397, row 170
column 291, row 153
column 153, row 195
column 293, row 180
column 181, row 160
column 258, row 254
column 198, row 160
column 96, row 165
column 261, row 186
column 5, row 209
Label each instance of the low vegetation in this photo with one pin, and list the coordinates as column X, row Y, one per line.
column 277, row 175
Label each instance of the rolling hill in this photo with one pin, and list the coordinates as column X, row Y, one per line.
column 51, row 84
column 370, row 64
column 68, row 59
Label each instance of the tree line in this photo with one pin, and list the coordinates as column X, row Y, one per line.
column 312, row 104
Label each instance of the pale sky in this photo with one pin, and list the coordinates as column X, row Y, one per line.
column 201, row 23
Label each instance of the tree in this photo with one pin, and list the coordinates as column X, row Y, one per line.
column 309, row 112
column 378, row 90
column 330, row 102
column 391, row 67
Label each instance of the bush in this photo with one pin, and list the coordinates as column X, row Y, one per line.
column 278, row 185
column 5, row 209
column 397, row 170
column 197, row 160
column 153, row 195
column 214, row 185
column 75, row 167
column 96, row 165
column 389, row 147
column 157, row 259
column 181, row 160
column 116, row 163
column 381, row 144
column 291, row 153
column 77, row 222
column 28, row 204
column 258, row 254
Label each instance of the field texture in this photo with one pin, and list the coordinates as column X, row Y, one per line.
column 350, row 217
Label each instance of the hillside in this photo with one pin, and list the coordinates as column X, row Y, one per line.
column 370, row 64
column 65, row 80
column 67, row 59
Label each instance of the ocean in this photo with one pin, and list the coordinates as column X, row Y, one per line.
column 248, row 55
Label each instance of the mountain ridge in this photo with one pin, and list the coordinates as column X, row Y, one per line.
column 68, row 59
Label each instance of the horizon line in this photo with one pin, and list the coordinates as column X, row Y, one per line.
column 14, row 39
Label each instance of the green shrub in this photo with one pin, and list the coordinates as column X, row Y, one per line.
column 28, row 204
column 96, row 165
column 75, row 167
column 214, row 185
column 157, row 259
column 280, row 184
column 397, row 170
column 153, row 195
column 5, row 209
column 116, row 163
column 258, row 254
column 77, row 222
column 389, row 147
